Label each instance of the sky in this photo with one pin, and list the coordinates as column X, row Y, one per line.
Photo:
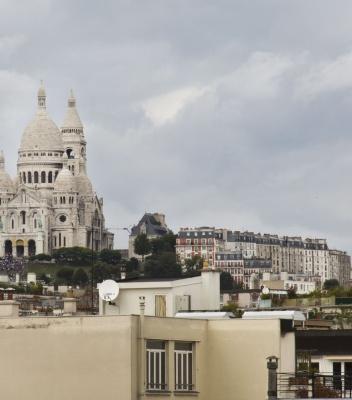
column 226, row 113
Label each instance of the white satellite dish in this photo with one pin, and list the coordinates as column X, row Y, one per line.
column 108, row 290
column 265, row 290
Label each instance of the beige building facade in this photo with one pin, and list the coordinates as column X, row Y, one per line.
column 137, row 357
column 51, row 204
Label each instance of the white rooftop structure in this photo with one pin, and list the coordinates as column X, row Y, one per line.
column 286, row 314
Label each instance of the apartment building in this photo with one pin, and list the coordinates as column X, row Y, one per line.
column 203, row 242
column 231, row 262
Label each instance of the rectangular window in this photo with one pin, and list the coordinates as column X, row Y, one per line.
column 183, row 366
column 160, row 306
column 156, row 365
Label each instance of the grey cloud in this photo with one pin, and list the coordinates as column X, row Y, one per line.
column 265, row 147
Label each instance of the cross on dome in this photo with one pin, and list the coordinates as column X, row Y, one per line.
column 41, row 97
column 71, row 99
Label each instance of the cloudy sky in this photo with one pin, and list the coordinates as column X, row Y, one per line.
column 224, row 113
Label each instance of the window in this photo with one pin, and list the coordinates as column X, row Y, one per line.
column 156, row 365
column 36, row 177
column 183, row 366
column 50, row 177
column 43, row 177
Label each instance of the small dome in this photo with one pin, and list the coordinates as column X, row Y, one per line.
column 84, row 185
column 72, row 119
column 65, row 182
column 6, row 184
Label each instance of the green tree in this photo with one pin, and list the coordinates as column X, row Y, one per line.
column 194, row 264
column 110, row 256
column 102, row 271
column 43, row 277
column 80, row 277
column 162, row 266
column 74, row 255
column 226, row 281
column 64, row 275
column 331, row 284
column 163, row 244
column 41, row 257
column 132, row 265
column 142, row 245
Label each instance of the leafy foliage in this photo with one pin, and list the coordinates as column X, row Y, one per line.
column 162, row 265
column 110, row 256
column 226, row 281
column 163, row 244
column 74, row 255
column 331, row 284
column 64, row 275
column 41, row 257
column 142, row 245
column 80, row 277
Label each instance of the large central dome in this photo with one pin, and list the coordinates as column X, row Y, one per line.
column 41, row 133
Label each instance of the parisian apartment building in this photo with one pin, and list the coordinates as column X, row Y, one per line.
column 229, row 250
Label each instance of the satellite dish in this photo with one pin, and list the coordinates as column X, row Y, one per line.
column 265, row 290
column 108, row 290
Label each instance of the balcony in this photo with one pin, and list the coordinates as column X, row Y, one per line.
column 303, row 385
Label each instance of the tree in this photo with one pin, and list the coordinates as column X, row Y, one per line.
column 226, row 281
column 132, row 265
column 194, row 264
column 43, row 277
column 74, row 255
column 41, row 257
column 163, row 244
column 142, row 245
column 80, row 277
column 102, row 271
column 162, row 266
column 331, row 284
column 65, row 275
column 110, row 256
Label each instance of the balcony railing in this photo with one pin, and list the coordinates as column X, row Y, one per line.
column 313, row 386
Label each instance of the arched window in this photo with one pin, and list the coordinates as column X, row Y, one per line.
column 43, row 177
column 23, row 217
column 50, row 177
column 59, row 239
column 64, row 200
column 55, row 244
column 24, row 177
column 56, row 172
column 13, row 223
column 29, row 177
column 64, row 241
column 36, row 177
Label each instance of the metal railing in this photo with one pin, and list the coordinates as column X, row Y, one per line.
column 302, row 385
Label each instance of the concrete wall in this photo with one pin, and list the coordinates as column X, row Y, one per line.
column 104, row 357
column 237, row 352
column 67, row 358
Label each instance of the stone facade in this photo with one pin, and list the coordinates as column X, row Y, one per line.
column 51, row 203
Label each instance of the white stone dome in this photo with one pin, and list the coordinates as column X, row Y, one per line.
column 41, row 133
column 65, row 182
column 84, row 184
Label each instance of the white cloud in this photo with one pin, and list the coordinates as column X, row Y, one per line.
column 165, row 108
column 327, row 76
